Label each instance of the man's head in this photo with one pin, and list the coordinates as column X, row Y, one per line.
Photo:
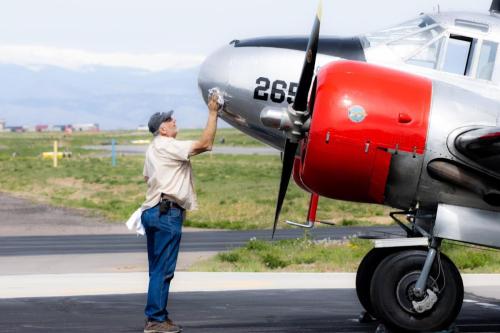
column 163, row 124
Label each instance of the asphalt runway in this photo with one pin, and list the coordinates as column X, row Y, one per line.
column 294, row 311
column 191, row 241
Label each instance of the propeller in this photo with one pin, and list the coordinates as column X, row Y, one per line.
column 286, row 173
column 300, row 103
column 297, row 114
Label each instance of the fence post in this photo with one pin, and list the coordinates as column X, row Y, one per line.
column 54, row 157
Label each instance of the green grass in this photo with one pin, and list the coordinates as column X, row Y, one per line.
column 234, row 192
column 471, row 259
column 295, row 255
column 305, row 255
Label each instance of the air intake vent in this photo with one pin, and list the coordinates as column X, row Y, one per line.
column 495, row 7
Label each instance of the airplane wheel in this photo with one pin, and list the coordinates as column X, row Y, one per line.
column 392, row 292
column 365, row 273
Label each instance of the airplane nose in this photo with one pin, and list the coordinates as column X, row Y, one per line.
column 214, row 72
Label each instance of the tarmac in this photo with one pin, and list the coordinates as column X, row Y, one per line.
column 61, row 271
column 283, row 310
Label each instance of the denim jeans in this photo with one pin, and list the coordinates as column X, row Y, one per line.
column 163, row 237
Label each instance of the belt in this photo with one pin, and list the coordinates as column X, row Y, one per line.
column 170, row 203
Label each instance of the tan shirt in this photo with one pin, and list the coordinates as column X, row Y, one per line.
column 168, row 168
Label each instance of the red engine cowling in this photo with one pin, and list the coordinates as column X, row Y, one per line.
column 362, row 113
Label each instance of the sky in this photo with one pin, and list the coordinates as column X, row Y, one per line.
column 165, row 34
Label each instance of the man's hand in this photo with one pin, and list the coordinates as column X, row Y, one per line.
column 213, row 105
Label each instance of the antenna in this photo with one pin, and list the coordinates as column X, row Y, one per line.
column 495, row 7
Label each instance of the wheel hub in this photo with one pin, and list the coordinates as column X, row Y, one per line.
column 407, row 298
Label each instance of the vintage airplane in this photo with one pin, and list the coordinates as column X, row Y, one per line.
column 407, row 117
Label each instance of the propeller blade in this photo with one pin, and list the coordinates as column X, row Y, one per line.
column 312, row 100
column 286, row 173
column 300, row 103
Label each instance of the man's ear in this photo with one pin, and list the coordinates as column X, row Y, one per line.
column 162, row 129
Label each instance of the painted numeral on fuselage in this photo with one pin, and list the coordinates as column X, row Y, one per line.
column 260, row 92
column 277, row 91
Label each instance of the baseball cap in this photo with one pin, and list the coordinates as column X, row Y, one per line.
column 157, row 119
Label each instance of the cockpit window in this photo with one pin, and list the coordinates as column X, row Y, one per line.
column 428, row 55
column 417, row 42
column 401, row 31
column 458, row 59
column 487, row 60
column 424, row 42
column 412, row 44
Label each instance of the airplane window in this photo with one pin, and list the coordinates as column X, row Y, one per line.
column 487, row 60
column 428, row 56
column 412, row 44
column 459, row 55
column 400, row 31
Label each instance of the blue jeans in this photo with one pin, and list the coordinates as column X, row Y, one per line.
column 163, row 237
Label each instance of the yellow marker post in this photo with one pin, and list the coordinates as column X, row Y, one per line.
column 55, row 154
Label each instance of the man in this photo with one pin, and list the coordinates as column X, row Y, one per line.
column 167, row 171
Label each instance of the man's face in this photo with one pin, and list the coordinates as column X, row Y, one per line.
column 168, row 128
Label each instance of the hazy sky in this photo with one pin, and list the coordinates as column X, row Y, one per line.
column 188, row 29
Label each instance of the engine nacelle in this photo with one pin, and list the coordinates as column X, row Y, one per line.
column 363, row 115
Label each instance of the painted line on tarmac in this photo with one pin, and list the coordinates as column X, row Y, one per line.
column 61, row 285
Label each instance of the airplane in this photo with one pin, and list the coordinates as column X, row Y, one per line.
column 407, row 117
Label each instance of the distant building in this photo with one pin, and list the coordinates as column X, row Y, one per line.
column 2, row 125
column 27, row 128
column 60, row 128
column 42, row 128
column 16, row 129
column 86, row 127
column 142, row 128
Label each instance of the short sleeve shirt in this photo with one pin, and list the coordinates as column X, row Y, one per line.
column 169, row 170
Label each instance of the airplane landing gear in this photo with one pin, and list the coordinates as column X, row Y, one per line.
column 396, row 303
column 364, row 276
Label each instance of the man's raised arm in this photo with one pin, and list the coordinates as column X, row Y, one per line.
column 207, row 138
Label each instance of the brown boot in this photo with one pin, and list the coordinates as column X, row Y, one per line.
column 161, row 327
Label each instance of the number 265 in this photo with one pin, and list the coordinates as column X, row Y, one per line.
column 277, row 91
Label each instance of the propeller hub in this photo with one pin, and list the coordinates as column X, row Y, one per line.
column 291, row 121
column 276, row 118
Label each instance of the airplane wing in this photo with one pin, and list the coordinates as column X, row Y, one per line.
column 481, row 145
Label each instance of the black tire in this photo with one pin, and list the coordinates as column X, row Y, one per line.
column 391, row 293
column 364, row 275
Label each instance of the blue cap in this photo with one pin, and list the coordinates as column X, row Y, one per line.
column 157, row 119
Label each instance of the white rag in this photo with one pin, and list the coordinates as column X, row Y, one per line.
column 220, row 96
column 134, row 222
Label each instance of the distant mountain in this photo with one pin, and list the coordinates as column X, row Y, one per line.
column 116, row 98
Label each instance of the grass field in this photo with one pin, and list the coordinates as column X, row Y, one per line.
column 234, row 192
column 305, row 255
